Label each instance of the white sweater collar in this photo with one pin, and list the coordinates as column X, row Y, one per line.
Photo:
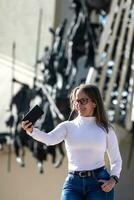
column 86, row 120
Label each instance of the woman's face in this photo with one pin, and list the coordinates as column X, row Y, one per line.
column 84, row 104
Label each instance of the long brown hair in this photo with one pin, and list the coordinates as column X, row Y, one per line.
column 93, row 92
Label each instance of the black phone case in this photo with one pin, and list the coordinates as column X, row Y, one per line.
column 34, row 114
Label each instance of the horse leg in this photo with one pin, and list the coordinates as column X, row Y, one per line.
column 40, row 166
column 19, row 151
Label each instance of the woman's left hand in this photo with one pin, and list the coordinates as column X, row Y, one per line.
column 107, row 185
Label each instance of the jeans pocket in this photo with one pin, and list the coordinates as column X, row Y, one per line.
column 104, row 174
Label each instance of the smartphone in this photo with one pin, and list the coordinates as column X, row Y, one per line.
column 34, row 114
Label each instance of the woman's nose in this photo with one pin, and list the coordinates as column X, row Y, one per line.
column 80, row 105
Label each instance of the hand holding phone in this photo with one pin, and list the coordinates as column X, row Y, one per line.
column 27, row 126
column 33, row 115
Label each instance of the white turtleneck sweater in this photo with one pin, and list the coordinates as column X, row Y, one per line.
column 85, row 143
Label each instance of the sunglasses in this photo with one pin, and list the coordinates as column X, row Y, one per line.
column 82, row 101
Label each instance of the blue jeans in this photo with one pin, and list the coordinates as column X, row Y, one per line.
column 86, row 188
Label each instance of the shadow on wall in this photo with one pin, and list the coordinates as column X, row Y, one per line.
column 23, row 73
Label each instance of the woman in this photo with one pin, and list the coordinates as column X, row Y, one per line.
column 87, row 138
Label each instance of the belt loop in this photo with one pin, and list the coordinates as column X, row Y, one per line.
column 93, row 174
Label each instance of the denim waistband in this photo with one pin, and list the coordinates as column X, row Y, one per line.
column 87, row 173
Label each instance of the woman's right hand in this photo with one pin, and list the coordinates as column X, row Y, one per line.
column 27, row 126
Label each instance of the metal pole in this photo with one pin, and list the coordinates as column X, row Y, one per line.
column 12, row 92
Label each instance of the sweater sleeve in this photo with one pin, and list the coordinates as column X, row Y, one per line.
column 114, row 153
column 56, row 136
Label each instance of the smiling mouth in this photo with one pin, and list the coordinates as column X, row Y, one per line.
column 81, row 110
